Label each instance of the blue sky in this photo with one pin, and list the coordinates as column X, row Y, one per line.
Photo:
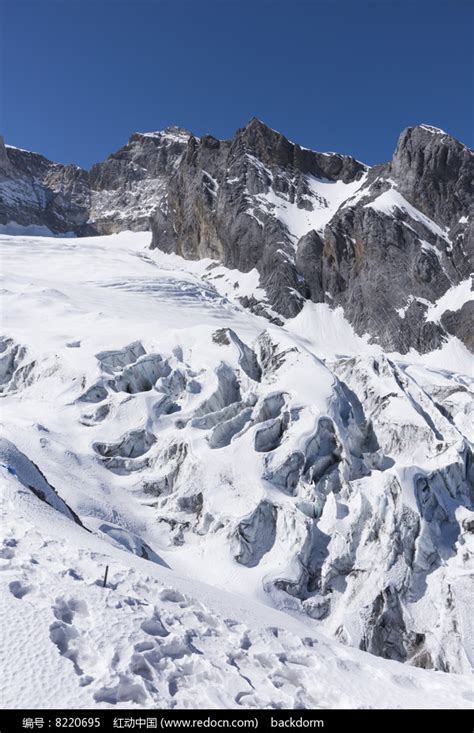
column 77, row 78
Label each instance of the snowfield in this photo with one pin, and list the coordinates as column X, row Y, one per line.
column 154, row 638
column 259, row 494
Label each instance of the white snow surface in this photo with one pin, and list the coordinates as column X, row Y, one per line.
column 452, row 300
column 329, row 334
column 434, row 130
column 111, row 353
column 170, row 135
column 321, row 202
column 153, row 638
column 325, row 198
column 31, row 230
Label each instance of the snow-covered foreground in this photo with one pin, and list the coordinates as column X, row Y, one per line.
column 154, row 638
column 151, row 424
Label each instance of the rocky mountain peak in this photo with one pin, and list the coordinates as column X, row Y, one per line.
column 257, row 132
column 390, row 239
column 180, row 133
column 436, row 171
column 169, row 135
column 276, row 151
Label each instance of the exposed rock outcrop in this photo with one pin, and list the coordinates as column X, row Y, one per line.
column 383, row 243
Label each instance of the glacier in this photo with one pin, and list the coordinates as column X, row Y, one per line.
column 285, row 507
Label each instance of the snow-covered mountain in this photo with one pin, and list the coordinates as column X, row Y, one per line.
column 383, row 243
column 122, row 192
column 240, row 374
column 260, row 492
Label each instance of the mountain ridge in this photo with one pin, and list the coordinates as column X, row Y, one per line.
column 382, row 242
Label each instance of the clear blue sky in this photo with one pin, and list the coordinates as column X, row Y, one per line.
column 77, row 78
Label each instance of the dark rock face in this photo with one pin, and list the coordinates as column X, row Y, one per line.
column 460, row 323
column 399, row 243
column 256, row 534
column 435, row 173
column 382, row 243
column 309, row 265
column 404, row 242
column 129, row 185
column 374, row 283
column 36, row 192
column 224, row 198
column 119, row 193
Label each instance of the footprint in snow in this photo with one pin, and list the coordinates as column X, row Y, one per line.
column 65, row 610
column 125, row 691
column 65, row 637
column 7, row 551
column 154, row 626
column 172, row 596
column 19, row 589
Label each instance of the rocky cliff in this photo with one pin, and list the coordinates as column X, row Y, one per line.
column 383, row 243
column 119, row 193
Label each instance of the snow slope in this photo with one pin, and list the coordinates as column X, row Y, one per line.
column 453, row 299
column 224, row 468
column 323, row 199
column 152, row 638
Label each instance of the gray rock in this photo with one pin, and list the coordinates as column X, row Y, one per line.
column 37, row 192
column 119, row 193
column 375, row 263
column 309, row 265
column 460, row 323
column 434, row 172
column 256, row 534
column 213, row 208
column 216, row 198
